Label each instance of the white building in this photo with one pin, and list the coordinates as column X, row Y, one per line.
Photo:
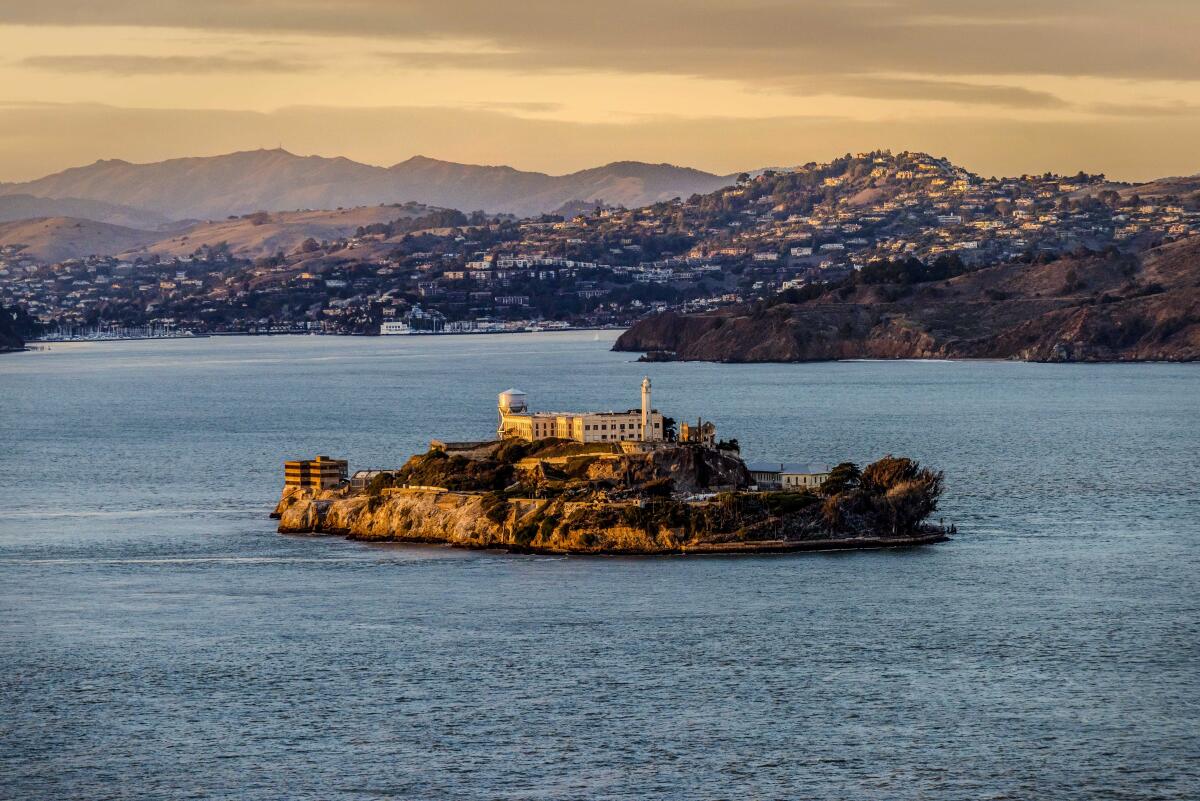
column 769, row 475
column 394, row 327
column 635, row 425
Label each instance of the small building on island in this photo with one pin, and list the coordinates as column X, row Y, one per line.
column 776, row 475
column 516, row 421
column 319, row 473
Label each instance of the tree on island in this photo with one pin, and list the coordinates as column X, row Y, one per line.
column 841, row 478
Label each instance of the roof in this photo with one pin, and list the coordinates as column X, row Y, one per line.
column 806, row 469
column 784, row 467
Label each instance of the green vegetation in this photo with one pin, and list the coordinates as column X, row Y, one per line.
column 911, row 271
column 437, row 469
column 495, row 507
column 442, row 218
column 891, row 497
column 841, row 478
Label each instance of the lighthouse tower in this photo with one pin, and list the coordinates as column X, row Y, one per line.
column 647, row 430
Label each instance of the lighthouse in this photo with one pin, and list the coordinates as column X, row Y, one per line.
column 647, row 430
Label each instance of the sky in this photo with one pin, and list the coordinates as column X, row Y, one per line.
column 1003, row 88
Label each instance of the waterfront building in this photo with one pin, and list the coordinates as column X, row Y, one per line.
column 516, row 421
column 394, row 327
column 319, row 473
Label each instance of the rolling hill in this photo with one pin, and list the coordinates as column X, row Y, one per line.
column 257, row 235
column 54, row 239
column 247, row 237
column 276, row 180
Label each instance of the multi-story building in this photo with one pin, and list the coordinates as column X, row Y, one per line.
column 637, row 425
column 319, row 473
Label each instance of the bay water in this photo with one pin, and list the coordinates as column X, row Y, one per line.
column 159, row 640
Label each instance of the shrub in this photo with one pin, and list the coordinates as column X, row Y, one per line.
column 782, row 503
column 379, row 483
column 495, row 507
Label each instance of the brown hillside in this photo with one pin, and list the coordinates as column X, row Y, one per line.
column 53, row 239
column 1099, row 308
column 264, row 235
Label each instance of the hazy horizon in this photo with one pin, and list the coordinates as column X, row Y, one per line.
column 1030, row 87
column 391, row 162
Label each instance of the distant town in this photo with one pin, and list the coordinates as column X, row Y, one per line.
column 443, row 271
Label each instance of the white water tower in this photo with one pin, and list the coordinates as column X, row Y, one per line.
column 513, row 401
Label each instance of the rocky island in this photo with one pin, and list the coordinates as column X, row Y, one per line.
column 611, row 483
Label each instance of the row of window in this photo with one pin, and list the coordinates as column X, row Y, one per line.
column 604, row 427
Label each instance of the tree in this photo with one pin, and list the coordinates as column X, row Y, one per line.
column 841, row 478
column 889, row 471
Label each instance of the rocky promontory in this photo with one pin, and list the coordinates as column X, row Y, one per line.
column 556, row 496
column 1094, row 307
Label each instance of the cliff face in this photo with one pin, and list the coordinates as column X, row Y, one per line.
column 462, row 519
column 1101, row 308
column 622, row 503
column 554, row 525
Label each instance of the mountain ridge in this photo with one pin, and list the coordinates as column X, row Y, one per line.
column 27, row 207
column 242, row 182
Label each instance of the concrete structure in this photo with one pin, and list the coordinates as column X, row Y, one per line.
column 362, row 478
column 646, row 405
column 319, row 473
column 635, row 425
column 703, row 432
column 774, row 475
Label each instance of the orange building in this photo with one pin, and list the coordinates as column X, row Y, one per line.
column 319, row 473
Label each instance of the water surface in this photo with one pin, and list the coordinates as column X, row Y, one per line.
column 159, row 640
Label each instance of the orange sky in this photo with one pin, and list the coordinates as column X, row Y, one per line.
column 1020, row 86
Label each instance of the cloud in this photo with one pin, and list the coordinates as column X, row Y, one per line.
column 160, row 65
column 749, row 40
column 1142, row 110
column 438, row 60
column 888, row 88
column 520, row 106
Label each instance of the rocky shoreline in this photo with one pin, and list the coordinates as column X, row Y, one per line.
column 1095, row 308
column 672, row 499
column 312, row 514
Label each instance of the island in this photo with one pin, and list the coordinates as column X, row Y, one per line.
column 624, row 482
